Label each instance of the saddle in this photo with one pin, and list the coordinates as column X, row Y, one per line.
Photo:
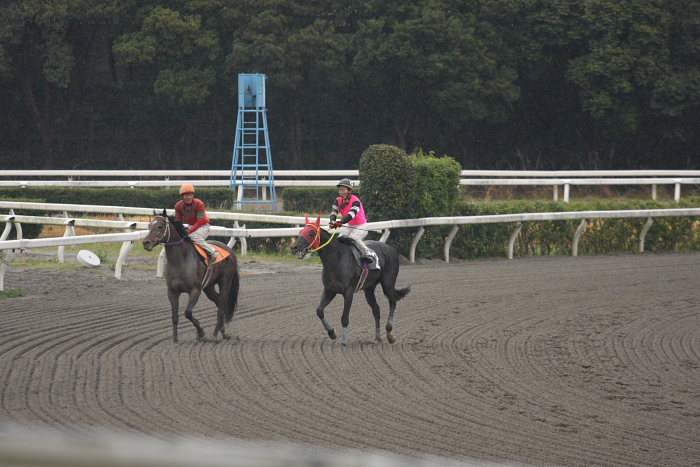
column 358, row 255
column 223, row 254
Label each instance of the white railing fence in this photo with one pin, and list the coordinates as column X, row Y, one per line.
column 563, row 179
column 134, row 230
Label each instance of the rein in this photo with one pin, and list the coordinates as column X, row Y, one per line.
column 318, row 236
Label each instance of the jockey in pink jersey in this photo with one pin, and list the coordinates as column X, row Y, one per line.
column 352, row 217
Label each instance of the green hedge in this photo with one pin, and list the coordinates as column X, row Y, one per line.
column 604, row 236
column 157, row 198
column 388, row 180
column 437, row 185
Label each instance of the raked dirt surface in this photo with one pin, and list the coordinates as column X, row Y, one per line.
column 541, row 361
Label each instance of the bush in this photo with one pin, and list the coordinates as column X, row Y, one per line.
column 388, row 183
column 437, row 185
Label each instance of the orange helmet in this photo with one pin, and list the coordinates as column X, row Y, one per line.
column 186, row 188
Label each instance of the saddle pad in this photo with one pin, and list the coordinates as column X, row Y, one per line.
column 223, row 254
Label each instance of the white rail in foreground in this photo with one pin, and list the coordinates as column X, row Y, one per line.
column 135, row 229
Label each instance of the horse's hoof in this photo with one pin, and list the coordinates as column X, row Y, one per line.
column 391, row 338
column 378, row 340
column 225, row 336
column 331, row 334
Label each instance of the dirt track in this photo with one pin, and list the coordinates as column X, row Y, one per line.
column 558, row 360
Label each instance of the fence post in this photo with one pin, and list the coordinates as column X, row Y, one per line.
column 385, row 235
column 448, row 242
column 70, row 232
column 414, row 244
column 643, row 234
column 6, row 257
column 123, row 251
column 513, row 236
column 577, row 235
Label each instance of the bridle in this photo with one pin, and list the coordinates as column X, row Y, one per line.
column 167, row 234
column 316, row 240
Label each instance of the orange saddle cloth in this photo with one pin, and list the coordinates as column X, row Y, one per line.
column 223, row 254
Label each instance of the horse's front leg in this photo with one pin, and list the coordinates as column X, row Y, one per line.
column 326, row 297
column 345, row 319
column 194, row 296
column 372, row 300
column 174, row 298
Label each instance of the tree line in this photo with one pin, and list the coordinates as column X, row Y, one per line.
column 495, row 84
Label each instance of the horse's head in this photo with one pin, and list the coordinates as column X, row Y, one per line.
column 309, row 238
column 159, row 231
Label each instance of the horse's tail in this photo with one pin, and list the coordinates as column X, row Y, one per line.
column 401, row 293
column 233, row 294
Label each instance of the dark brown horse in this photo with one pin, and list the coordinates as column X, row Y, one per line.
column 342, row 275
column 185, row 271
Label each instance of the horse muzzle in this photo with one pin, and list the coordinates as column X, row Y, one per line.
column 300, row 252
column 148, row 245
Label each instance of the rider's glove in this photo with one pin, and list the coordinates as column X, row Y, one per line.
column 335, row 225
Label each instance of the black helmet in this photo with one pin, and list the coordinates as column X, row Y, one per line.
column 345, row 182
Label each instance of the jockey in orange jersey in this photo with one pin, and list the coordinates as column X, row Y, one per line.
column 192, row 211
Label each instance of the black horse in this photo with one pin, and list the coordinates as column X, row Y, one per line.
column 342, row 275
column 185, row 272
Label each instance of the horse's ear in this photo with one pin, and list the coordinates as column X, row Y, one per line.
column 165, row 214
column 318, row 221
column 307, row 219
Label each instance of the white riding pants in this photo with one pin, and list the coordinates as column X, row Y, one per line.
column 199, row 237
column 356, row 235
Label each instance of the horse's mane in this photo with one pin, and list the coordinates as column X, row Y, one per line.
column 179, row 227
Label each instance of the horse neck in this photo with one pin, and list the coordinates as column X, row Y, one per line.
column 179, row 251
column 330, row 250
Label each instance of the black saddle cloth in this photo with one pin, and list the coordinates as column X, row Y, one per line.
column 356, row 252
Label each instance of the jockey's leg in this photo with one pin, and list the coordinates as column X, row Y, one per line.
column 199, row 237
column 367, row 254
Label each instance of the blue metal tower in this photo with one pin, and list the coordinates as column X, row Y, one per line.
column 251, row 170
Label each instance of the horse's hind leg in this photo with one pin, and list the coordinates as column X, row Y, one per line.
column 194, row 296
column 372, row 300
column 174, row 298
column 326, row 298
column 390, row 295
column 220, row 299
